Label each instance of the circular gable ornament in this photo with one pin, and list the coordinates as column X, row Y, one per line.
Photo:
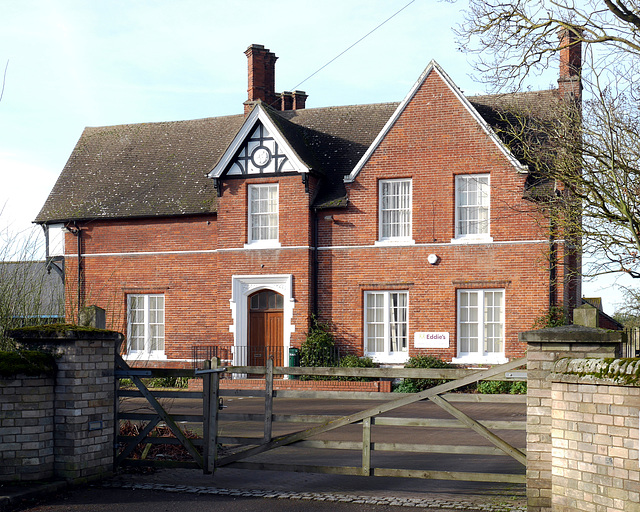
column 261, row 156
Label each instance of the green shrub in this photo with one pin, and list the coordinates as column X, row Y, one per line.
column 493, row 387
column 406, row 386
column 351, row 361
column 518, row 388
column 416, row 385
column 319, row 349
column 26, row 362
column 158, row 382
column 167, row 382
column 555, row 317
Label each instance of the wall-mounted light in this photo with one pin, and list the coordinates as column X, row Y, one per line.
column 433, row 259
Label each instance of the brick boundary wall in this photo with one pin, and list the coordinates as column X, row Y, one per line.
column 545, row 348
column 26, row 428
column 595, row 429
column 298, row 385
column 81, row 407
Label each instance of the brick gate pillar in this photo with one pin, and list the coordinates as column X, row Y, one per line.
column 544, row 348
column 84, row 396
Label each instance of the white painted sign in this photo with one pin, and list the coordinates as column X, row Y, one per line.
column 431, row 340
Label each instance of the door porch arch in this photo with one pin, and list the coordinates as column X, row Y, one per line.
column 242, row 288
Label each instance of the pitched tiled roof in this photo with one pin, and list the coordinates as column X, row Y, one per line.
column 158, row 169
column 504, row 112
column 139, row 170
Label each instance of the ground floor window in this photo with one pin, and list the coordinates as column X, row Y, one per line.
column 480, row 328
column 145, row 325
column 386, row 325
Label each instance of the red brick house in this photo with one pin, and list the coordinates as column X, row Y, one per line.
column 406, row 225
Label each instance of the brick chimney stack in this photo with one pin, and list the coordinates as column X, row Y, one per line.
column 262, row 82
column 569, row 81
column 299, row 99
column 262, row 76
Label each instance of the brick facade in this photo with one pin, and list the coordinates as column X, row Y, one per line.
column 329, row 257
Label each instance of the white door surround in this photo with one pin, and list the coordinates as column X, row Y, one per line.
column 241, row 288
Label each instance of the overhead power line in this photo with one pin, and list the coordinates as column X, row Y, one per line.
column 358, row 41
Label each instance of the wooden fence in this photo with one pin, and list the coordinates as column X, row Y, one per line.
column 239, row 450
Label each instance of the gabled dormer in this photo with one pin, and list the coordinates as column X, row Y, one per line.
column 260, row 148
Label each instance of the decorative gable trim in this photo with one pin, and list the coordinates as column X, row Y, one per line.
column 434, row 66
column 257, row 117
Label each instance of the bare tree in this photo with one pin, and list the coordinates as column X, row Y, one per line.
column 28, row 293
column 585, row 152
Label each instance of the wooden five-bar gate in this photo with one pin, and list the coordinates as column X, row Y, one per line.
column 240, row 450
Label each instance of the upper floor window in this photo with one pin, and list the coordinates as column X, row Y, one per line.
column 145, row 325
column 263, row 215
column 395, row 210
column 386, row 324
column 472, row 206
column 481, row 326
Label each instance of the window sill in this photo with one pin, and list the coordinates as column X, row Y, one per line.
column 147, row 356
column 377, row 357
column 270, row 244
column 394, row 242
column 472, row 240
column 478, row 359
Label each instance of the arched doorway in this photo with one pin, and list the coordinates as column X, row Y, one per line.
column 265, row 328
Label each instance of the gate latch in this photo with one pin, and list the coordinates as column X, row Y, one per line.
column 221, row 404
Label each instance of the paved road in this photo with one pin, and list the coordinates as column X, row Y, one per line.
column 92, row 500
column 243, row 490
column 147, row 493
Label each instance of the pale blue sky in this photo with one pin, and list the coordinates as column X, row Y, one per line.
column 77, row 63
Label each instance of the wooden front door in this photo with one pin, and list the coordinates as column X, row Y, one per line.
column 265, row 328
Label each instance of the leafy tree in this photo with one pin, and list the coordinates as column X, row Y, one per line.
column 585, row 151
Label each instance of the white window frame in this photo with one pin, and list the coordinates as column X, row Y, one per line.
column 485, row 319
column 386, row 355
column 257, row 243
column 485, row 235
column 146, row 351
column 405, row 208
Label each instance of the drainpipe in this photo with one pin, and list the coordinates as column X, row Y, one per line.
column 553, row 267
column 316, row 264
column 77, row 231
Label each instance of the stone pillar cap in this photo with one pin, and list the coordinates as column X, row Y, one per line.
column 571, row 333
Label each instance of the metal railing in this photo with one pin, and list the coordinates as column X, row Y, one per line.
column 258, row 356
column 239, row 356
